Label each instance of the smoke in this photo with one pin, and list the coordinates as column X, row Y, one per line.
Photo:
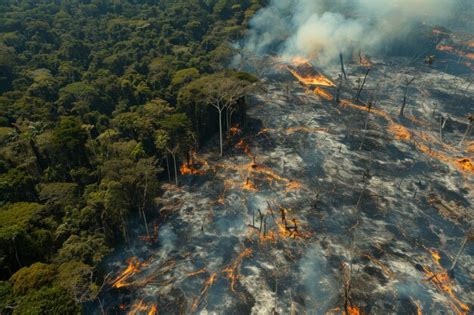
column 320, row 29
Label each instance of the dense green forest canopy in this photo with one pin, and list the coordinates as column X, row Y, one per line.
column 98, row 100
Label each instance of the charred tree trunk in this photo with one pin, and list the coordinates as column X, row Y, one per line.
column 363, row 84
column 461, row 249
column 338, row 90
column 405, row 95
column 468, row 129
column 341, row 58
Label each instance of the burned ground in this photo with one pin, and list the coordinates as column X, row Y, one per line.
column 307, row 191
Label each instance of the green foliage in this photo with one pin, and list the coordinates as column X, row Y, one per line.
column 19, row 214
column 87, row 249
column 94, row 96
column 17, row 185
column 62, row 193
column 32, row 277
column 47, row 300
column 76, row 278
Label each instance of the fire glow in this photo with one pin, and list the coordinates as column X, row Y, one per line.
column 323, row 94
column 134, row 267
column 142, row 308
column 232, row 270
column 452, row 50
column 304, row 72
column 196, row 165
column 443, row 282
column 312, row 80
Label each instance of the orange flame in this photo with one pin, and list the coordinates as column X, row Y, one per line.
column 465, row 164
column 248, row 185
column 186, row 169
column 324, row 94
column 232, row 272
column 235, row 130
column 452, row 50
column 190, row 168
column 141, row 307
column 205, row 287
column 352, row 310
column 443, row 282
column 134, row 267
column 400, row 132
column 312, row 80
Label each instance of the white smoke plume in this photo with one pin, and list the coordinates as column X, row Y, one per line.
column 320, row 29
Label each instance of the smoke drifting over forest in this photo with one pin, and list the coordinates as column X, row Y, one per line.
column 322, row 28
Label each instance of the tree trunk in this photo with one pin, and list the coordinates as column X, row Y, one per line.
column 338, row 89
column 404, row 102
column 461, row 249
column 220, row 133
column 124, row 227
column 175, row 169
column 145, row 191
column 16, row 253
column 168, row 167
column 466, row 133
column 363, row 84
column 342, row 66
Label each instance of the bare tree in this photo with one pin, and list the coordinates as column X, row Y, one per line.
column 343, row 70
column 468, row 237
column 363, row 84
column 407, row 85
column 468, row 129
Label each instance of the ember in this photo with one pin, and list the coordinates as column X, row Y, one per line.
column 443, row 282
column 134, row 267
column 248, row 185
column 352, row 310
column 324, row 94
column 232, row 271
column 466, row 164
column 400, row 132
column 142, row 308
column 307, row 75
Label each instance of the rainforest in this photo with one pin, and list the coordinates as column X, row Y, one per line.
column 236, row 157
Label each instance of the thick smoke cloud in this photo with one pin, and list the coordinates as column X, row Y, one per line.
column 320, row 29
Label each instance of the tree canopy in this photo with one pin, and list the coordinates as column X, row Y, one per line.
column 98, row 101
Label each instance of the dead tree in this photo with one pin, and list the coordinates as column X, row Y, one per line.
column 362, row 86
column 341, row 58
column 338, row 89
column 261, row 221
column 468, row 129
column 365, row 179
column 348, row 272
column 442, row 124
column 283, row 217
column 469, row 237
column 405, row 95
column 370, row 104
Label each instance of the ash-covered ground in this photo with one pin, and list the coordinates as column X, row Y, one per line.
column 320, row 207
